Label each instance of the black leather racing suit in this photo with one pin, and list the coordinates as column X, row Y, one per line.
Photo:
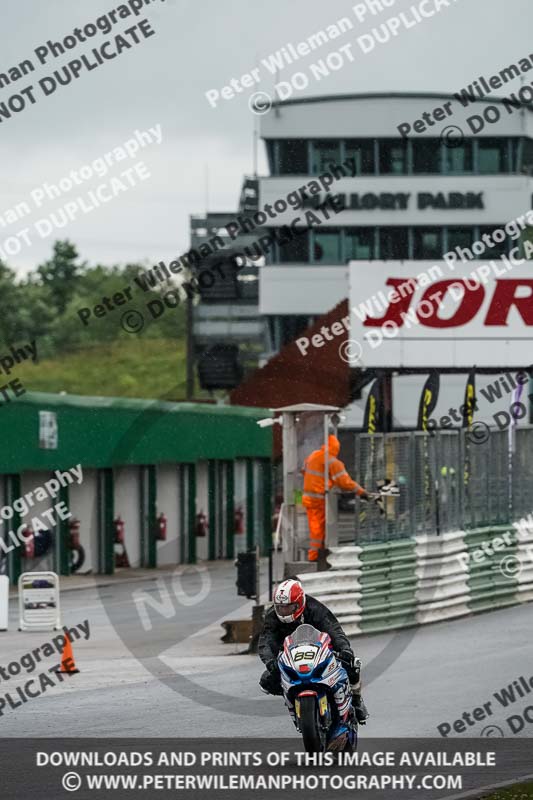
column 274, row 633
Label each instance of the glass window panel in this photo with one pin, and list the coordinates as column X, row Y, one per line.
column 459, row 159
column 492, row 156
column 296, row 251
column 248, row 286
column 426, row 156
column 362, row 152
column 427, row 243
column 499, row 249
column 359, row 243
column 393, row 157
column 292, row 327
column 326, row 153
column 527, row 156
column 271, row 149
column 393, row 244
column 292, row 157
column 327, row 247
column 460, row 237
column 515, row 144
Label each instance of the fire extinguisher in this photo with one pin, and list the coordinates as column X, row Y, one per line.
column 202, row 526
column 161, row 528
column 120, row 529
column 238, row 523
column 74, row 531
column 121, row 558
column 29, row 542
column 77, row 553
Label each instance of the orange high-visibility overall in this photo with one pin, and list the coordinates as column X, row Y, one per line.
column 314, row 490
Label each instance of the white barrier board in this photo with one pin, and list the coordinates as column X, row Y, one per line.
column 39, row 601
column 4, row 602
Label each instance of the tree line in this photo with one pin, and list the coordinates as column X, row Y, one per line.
column 44, row 304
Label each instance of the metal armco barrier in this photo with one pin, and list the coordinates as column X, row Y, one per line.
column 489, row 586
column 427, row 578
column 370, row 588
column 524, row 553
column 442, row 577
column 39, row 601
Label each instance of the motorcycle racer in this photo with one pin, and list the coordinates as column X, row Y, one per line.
column 291, row 608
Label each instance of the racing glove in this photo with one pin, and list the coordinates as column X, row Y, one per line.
column 272, row 666
column 347, row 659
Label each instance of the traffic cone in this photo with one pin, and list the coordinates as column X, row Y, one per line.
column 67, row 659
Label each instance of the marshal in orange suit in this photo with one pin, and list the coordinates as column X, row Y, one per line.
column 314, row 499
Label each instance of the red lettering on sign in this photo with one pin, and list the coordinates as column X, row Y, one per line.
column 505, row 297
column 405, row 288
column 469, row 304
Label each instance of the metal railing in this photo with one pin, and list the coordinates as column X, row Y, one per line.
column 449, row 480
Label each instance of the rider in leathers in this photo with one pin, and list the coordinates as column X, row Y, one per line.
column 311, row 612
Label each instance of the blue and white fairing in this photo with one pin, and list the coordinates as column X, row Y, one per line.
column 308, row 662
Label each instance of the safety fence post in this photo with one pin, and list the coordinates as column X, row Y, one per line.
column 266, row 538
column 148, row 516
column 63, row 534
column 12, row 490
column 191, row 513
column 230, row 508
column 212, row 504
column 106, row 530
column 182, row 511
column 250, row 504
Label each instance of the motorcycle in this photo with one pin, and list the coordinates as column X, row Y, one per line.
column 311, row 678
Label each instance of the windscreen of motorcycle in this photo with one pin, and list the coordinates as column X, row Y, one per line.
column 306, row 647
column 305, row 634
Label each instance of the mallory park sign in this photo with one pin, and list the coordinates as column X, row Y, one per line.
column 400, row 201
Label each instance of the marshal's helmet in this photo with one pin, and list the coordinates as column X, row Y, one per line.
column 289, row 601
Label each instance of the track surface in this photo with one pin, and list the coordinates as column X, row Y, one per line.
column 203, row 688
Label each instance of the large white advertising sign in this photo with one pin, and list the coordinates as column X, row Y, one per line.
column 437, row 314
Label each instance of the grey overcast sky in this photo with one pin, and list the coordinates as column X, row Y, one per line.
column 200, row 45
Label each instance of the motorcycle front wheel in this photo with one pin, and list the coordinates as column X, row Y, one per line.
column 313, row 736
